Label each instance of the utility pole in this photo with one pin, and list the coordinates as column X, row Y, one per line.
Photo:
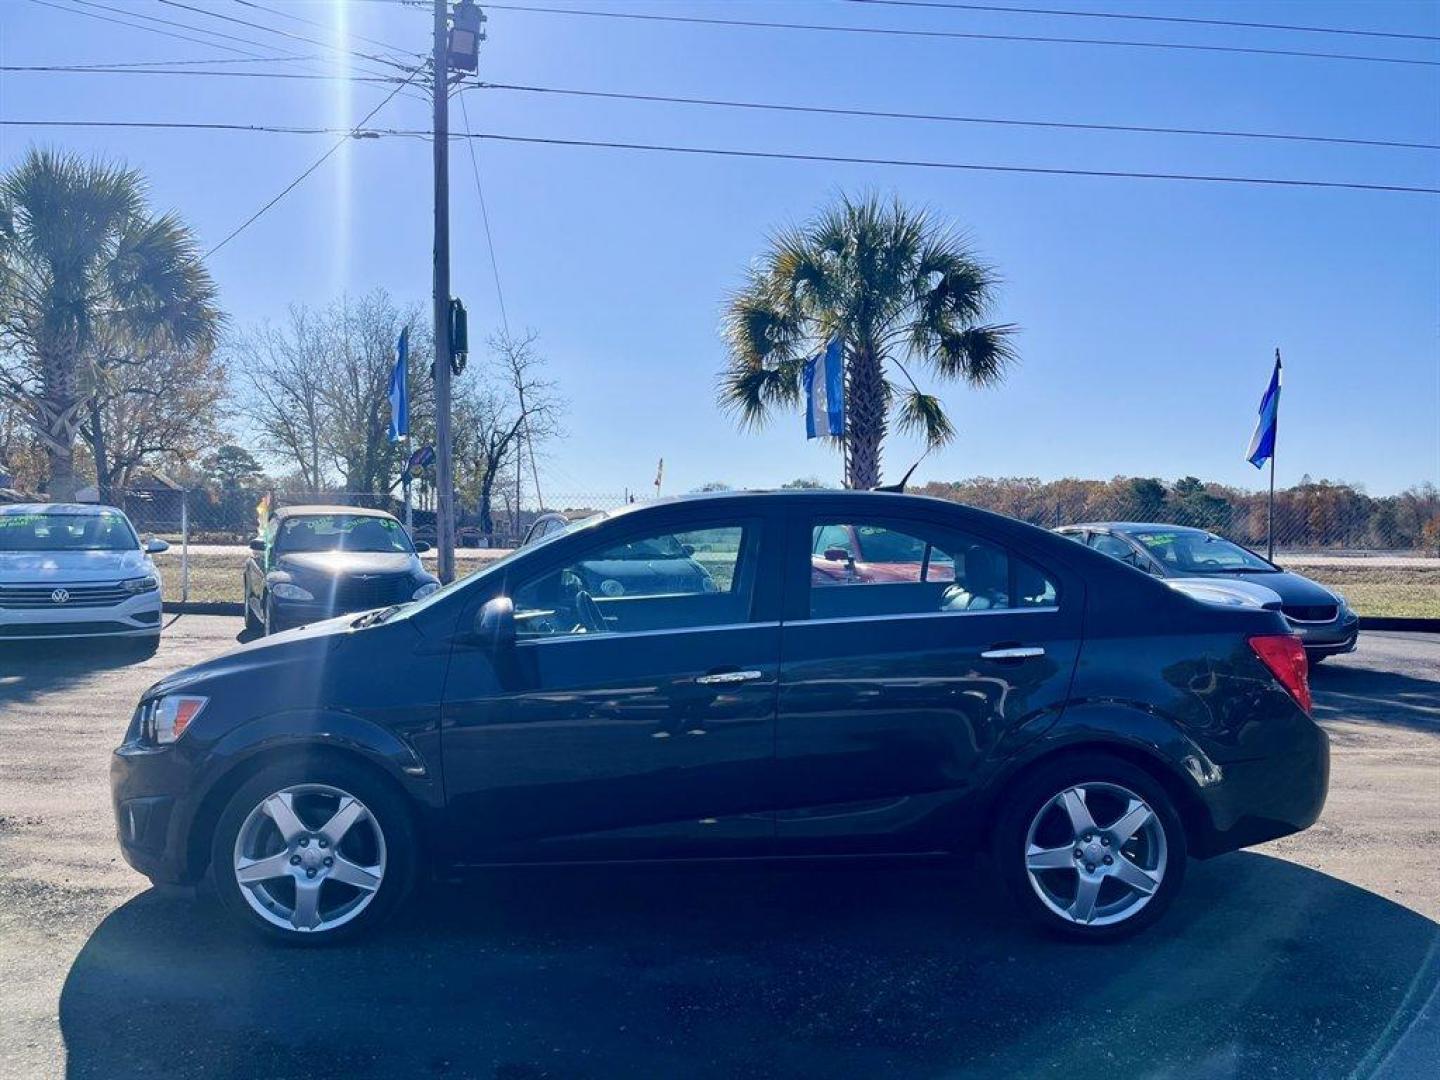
column 444, row 472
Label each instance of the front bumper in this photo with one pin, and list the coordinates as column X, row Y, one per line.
column 152, row 794
column 138, row 616
column 1329, row 639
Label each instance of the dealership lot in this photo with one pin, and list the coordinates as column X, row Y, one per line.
column 1311, row 956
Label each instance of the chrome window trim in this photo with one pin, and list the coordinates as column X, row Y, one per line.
column 1048, row 609
column 551, row 639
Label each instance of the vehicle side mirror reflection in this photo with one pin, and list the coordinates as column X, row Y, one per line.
column 837, row 554
column 421, row 547
column 495, row 624
column 257, row 545
column 154, row 546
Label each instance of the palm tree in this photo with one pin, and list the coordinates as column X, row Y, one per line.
column 898, row 289
column 87, row 276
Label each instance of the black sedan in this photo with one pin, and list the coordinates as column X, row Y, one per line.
column 1087, row 726
column 316, row 562
column 1321, row 618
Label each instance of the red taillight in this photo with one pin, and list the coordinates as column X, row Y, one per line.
column 1285, row 657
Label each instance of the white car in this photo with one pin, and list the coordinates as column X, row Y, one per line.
column 76, row 571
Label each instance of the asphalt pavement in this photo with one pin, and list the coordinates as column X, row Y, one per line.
column 1314, row 956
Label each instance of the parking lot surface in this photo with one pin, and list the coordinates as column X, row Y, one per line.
column 1314, row 956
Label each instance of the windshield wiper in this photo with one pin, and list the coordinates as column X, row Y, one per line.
column 374, row 618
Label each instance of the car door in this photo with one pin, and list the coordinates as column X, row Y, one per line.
column 897, row 695
column 255, row 570
column 634, row 715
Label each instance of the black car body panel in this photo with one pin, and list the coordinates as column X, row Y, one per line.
column 761, row 730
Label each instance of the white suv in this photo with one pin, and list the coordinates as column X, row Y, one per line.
column 76, row 571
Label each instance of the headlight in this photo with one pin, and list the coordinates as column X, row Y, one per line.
column 140, row 584
column 285, row 591
column 425, row 590
column 165, row 719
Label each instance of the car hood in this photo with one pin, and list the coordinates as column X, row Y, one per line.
column 339, row 563
column 22, row 566
column 305, row 645
column 1226, row 592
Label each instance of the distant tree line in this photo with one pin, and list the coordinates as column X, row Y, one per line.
column 1312, row 514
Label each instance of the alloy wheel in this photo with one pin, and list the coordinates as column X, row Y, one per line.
column 1095, row 854
column 309, row 858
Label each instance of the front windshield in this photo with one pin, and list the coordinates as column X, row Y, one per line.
column 342, row 532
column 1188, row 552
column 105, row 531
column 492, row 566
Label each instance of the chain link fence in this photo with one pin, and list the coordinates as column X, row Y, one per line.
column 208, row 528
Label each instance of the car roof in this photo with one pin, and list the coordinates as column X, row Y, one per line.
column 1136, row 527
column 325, row 511
column 78, row 509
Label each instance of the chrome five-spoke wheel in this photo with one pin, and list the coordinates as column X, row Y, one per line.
column 309, row 858
column 1095, row 853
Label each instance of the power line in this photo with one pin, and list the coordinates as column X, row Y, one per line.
column 312, row 22
column 955, row 34
column 181, row 25
column 60, row 69
column 361, row 132
column 154, row 30
column 105, row 65
column 964, row 166
column 281, row 33
column 196, row 125
column 485, row 217
column 355, row 133
column 949, row 118
column 1144, row 18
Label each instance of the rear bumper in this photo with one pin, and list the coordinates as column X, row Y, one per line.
column 1265, row 798
column 138, row 616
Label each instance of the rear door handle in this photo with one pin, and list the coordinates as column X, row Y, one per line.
column 725, row 677
column 1013, row 652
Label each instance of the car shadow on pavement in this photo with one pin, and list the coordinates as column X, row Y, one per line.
column 1369, row 696
column 29, row 668
column 834, row 970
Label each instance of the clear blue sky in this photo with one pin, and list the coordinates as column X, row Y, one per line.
column 1150, row 311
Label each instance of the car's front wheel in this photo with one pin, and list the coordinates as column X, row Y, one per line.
column 313, row 853
column 1091, row 847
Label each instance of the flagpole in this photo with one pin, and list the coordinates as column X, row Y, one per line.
column 1270, row 513
column 1274, row 446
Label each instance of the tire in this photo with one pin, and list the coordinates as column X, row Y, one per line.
column 1073, row 891
column 270, row 625
column 377, row 842
column 252, row 624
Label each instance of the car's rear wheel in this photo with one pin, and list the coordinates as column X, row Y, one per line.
column 272, row 620
column 1091, row 847
column 313, row 853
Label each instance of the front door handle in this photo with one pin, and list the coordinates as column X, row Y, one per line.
column 725, row 677
column 1014, row 652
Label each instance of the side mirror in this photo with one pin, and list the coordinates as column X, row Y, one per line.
column 837, row 554
column 421, row 547
column 495, row 625
column 154, row 546
column 257, row 545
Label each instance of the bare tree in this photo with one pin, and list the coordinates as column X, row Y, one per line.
column 317, row 388
column 500, row 417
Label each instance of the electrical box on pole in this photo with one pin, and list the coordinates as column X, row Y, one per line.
column 467, row 31
column 459, row 336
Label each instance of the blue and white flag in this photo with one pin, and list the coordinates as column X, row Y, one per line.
column 1262, row 443
column 824, row 378
column 399, row 389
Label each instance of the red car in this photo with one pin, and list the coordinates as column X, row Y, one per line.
column 851, row 554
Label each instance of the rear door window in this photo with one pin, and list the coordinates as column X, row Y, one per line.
column 905, row 568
